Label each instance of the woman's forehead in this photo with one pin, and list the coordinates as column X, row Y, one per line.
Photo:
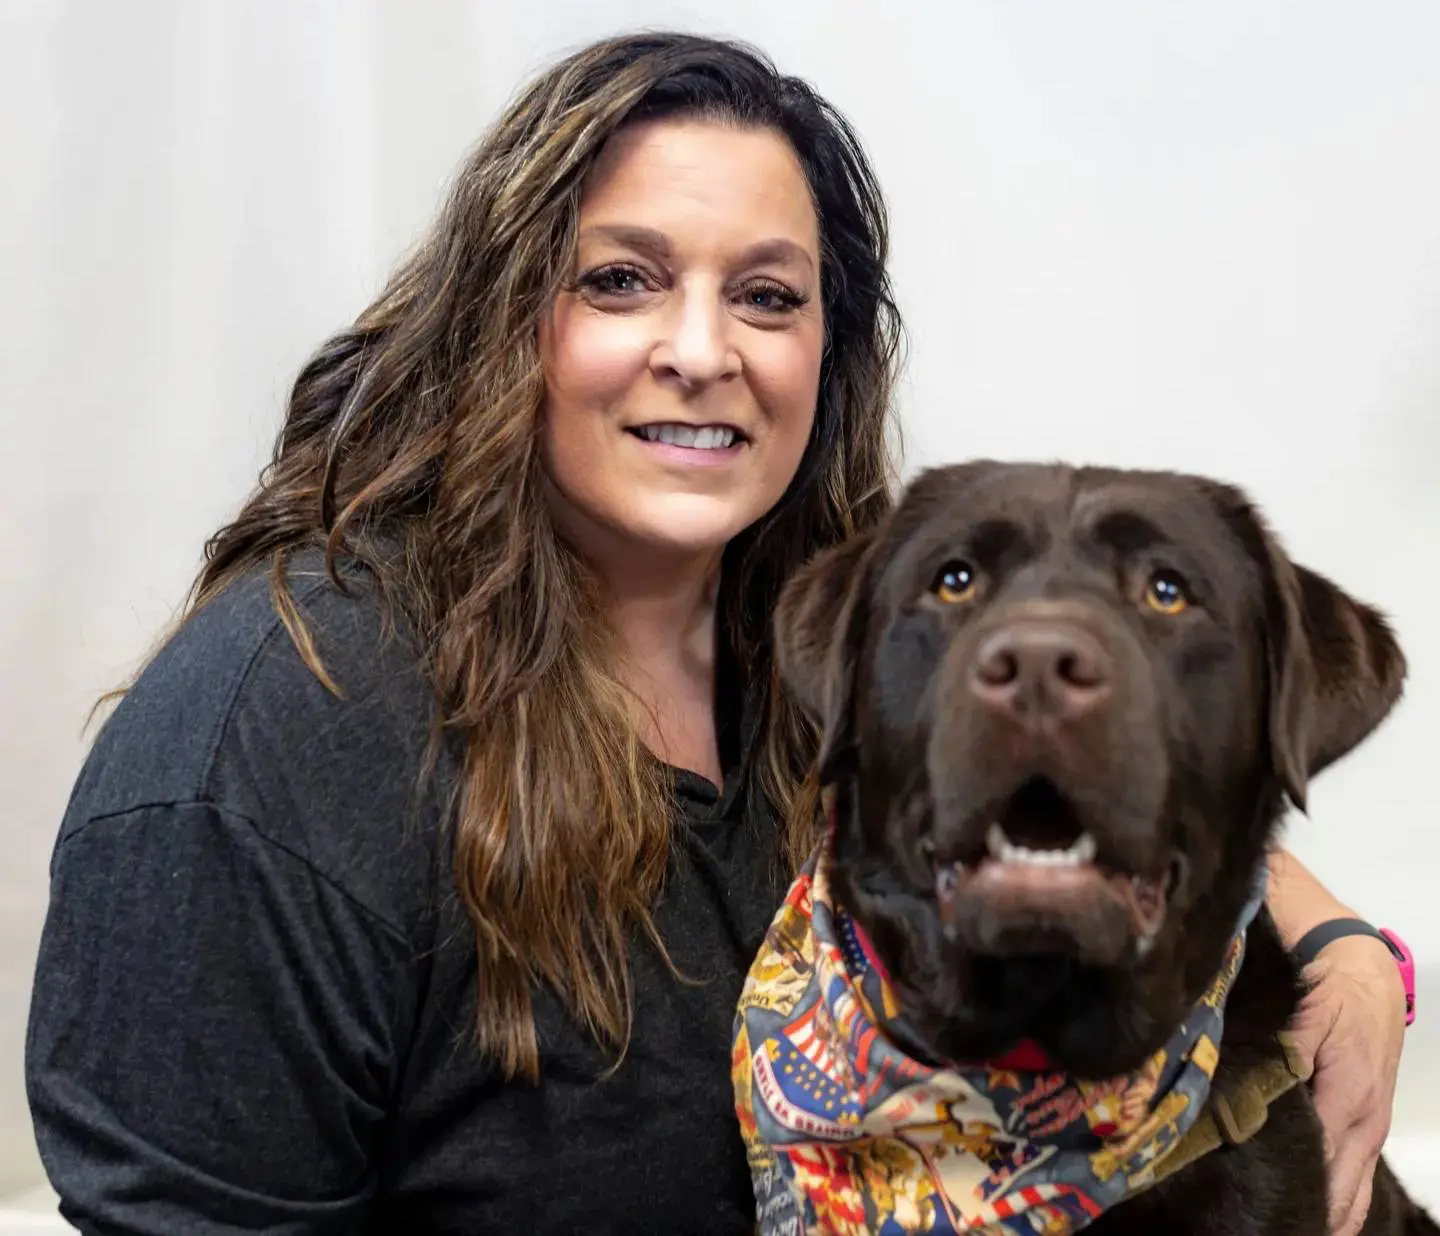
column 724, row 180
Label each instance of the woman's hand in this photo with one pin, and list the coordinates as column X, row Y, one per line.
column 1350, row 1030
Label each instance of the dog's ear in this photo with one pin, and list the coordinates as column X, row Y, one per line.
column 1335, row 667
column 819, row 629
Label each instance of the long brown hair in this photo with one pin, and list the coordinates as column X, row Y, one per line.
column 409, row 445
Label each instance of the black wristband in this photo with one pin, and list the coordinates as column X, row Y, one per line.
column 1308, row 947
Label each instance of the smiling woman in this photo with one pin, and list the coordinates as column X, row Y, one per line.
column 682, row 365
column 683, row 360
column 475, row 720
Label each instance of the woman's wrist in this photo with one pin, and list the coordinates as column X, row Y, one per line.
column 1297, row 900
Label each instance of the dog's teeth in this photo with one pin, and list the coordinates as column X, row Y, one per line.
column 1005, row 851
column 995, row 843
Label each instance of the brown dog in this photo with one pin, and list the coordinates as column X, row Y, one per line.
column 1062, row 711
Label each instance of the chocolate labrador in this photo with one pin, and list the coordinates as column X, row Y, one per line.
column 1062, row 711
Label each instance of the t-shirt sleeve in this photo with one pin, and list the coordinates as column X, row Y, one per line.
column 213, row 1031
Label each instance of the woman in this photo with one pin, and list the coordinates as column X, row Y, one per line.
column 411, row 886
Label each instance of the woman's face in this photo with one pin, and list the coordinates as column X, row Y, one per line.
column 682, row 362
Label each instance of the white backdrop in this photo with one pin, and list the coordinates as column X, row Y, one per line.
column 1202, row 235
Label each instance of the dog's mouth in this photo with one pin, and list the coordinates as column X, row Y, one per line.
column 1040, row 884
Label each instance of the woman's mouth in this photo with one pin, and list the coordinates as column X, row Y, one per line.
column 702, row 445
column 692, row 437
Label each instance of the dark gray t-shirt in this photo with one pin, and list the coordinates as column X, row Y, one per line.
column 255, row 989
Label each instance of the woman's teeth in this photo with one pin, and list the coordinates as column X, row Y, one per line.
column 697, row 437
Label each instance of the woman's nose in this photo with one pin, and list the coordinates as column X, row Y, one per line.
column 696, row 346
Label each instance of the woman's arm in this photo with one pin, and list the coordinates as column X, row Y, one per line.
column 1351, row 1027
column 211, row 1030
column 1298, row 901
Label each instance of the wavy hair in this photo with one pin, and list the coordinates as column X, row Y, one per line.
column 410, row 446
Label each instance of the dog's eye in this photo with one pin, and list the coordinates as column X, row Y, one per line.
column 1167, row 594
column 954, row 583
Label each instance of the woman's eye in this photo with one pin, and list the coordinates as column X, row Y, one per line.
column 771, row 298
column 614, row 281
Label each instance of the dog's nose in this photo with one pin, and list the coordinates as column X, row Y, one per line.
column 1046, row 667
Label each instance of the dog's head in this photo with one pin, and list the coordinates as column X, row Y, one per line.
column 1061, row 709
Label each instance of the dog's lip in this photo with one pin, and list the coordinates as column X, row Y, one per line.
column 1039, row 849
column 1145, row 897
column 1085, row 859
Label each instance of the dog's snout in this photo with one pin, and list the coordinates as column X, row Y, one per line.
column 1049, row 667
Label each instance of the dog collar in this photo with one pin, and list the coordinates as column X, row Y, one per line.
column 846, row 1133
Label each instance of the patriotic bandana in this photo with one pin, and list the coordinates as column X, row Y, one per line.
column 846, row 1134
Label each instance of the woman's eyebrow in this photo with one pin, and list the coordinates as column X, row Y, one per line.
column 646, row 239
column 777, row 249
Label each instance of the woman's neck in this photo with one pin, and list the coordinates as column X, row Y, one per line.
column 664, row 620
column 667, row 634
column 661, row 608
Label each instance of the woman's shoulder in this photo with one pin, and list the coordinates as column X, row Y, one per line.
column 227, row 715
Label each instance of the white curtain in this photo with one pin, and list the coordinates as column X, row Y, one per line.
column 1204, row 236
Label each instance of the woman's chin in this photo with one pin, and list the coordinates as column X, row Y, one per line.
column 645, row 531
column 689, row 525
column 695, row 541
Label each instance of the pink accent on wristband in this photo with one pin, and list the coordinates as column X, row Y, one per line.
column 1405, row 959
